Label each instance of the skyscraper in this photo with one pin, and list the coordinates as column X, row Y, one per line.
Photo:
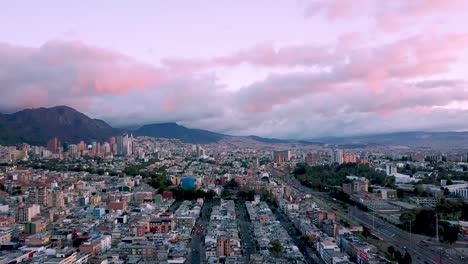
column 53, row 145
column 281, row 156
column 119, row 143
column 337, row 156
column 113, row 145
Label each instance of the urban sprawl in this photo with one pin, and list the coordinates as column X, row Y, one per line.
column 153, row 200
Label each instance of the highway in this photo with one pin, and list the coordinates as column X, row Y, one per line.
column 390, row 234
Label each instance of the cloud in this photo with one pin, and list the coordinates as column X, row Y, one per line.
column 57, row 71
column 263, row 55
column 388, row 16
column 349, row 87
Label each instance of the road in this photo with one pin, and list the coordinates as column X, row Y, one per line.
column 295, row 235
column 391, row 234
column 198, row 251
column 245, row 229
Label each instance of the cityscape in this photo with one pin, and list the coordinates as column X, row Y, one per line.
column 234, row 132
column 160, row 200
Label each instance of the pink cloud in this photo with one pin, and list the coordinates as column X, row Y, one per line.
column 389, row 16
column 99, row 71
column 265, row 55
column 35, row 97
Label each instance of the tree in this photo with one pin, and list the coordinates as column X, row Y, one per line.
column 407, row 218
column 366, row 232
column 225, row 193
column 276, row 247
column 232, row 184
column 400, row 193
column 398, row 256
column 464, row 214
column 407, row 258
column 391, row 250
column 451, row 232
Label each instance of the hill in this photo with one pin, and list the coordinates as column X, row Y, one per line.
column 173, row 130
column 37, row 126
column 437, row 140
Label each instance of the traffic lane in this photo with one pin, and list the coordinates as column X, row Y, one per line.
column 365, row 219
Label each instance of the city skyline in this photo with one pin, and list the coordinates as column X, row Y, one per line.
column 299, row 69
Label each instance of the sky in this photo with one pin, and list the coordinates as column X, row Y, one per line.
column 298, row 69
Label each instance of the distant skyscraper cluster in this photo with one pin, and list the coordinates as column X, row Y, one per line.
column 122, row 145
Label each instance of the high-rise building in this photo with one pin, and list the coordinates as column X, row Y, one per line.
column 98, row 149
column 113, row 145
column 349, row 158
column 281, row 156
column 106, row 148
column 390, row 169
column 73, row 149
column 313, row 158
column 127, row 145
column 25, row 212
column 53, row 145
column 337, row 156
column 81, row 146
column 120, row 145
column 223, row 248
column 42, row 196
column 56, row 199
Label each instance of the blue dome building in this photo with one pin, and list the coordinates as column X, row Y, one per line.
column 188, row 183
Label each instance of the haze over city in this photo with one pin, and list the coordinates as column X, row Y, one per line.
column 292, row 69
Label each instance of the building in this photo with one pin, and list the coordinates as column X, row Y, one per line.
column 223, row 246
column 337, row 156
column 390, row 169
column 188, row 183
column 56, row 199
column 281, row 156
column 164, row 223
column 313, row 158
column 24, row 213
column 35, row 227
column 349, row 158
column 356, row 186
column 119, row 145
column 96, row 244
column 5, row 237
column 54, row 145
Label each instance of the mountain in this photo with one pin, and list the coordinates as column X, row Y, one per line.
column 37, row 126
column 438, row 140
column 173, row 130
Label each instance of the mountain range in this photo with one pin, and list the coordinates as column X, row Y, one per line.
column 37, row 126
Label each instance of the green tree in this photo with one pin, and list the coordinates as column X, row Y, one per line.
column 400, row 193
column 225, row 193
column 276, row 247
column 398, row 256
column 391, row 251
column 450, row 234
column 366, row 232
column 232, row 184
column 407, row 258
column 407, row 218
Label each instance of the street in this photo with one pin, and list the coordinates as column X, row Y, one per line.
column 196, row 244
column 390, row 234
column 245, row 229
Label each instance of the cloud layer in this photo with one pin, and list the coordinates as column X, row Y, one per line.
column 385, row 79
